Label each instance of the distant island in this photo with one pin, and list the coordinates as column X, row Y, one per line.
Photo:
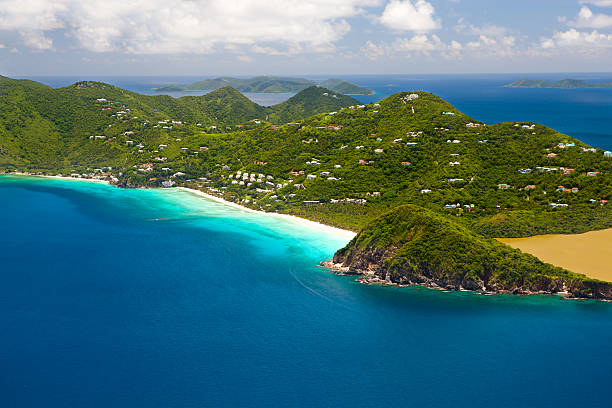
column 267, row 84
column 565, row 84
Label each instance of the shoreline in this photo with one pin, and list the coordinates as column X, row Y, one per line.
column 298, row 220
column 366, row 277
column 339, row 232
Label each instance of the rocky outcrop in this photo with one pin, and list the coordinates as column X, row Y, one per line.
column 412, row 246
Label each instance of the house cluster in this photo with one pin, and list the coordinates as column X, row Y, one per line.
column 244, row 178
column 414, row 134
column 360, row 201
column 145, row 167
column 473, row 125
column 562, row 145
column 567, row 190
column 361, row 161
column 411, row 97
column 524, row 171
column 449, row 113
column 547, row 169
column 567, row 171
column 457, row 206
column 528, row 127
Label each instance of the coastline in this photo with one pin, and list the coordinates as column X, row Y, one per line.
column 368, row 277
column 341, row 233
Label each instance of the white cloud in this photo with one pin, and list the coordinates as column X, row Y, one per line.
column 573, row 41
column 182, row 26
column 37, row 40
column 403, row 15
column 244, row 58
column 598, row 3
column 373, row 51
column 504, row 46
column 588, row 19
column 491, row 40
column 418, row 44
column 574, row 38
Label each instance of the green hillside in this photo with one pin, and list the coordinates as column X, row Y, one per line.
column 269, row 84
column 411, row 245
column 345, row 87
column 343, row 167
column 309, row 102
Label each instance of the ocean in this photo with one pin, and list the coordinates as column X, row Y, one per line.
column 161, row 298
column 582, row 113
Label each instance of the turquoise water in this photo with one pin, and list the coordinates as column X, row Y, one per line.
column 159, row 298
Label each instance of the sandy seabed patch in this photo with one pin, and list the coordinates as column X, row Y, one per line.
column 589, row 253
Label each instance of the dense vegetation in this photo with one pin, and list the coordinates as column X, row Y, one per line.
column 412, row 245
column 269, row 84
column 343, row 167
column 565, row 83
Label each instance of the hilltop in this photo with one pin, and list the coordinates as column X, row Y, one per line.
column 268, row 84
column 410, row 245
column 565, row 84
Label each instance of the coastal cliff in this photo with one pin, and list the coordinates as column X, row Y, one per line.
column 414, row 246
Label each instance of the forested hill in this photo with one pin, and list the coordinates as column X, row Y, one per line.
column 268, row 84
column 411, row 245
column 341, row 167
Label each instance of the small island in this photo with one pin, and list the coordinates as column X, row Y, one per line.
column 268, row 84
column 563, row 84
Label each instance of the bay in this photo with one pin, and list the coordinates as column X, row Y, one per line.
column 161, row 298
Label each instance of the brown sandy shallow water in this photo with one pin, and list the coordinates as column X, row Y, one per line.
column 589, row 253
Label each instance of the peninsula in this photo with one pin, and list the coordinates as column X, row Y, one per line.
column 432, row 170
column 268, row 84
column 565, row 84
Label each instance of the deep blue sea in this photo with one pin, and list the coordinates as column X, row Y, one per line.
column 582, row 113
column 160, row 298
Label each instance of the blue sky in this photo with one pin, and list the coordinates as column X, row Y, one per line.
column 244, row 37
